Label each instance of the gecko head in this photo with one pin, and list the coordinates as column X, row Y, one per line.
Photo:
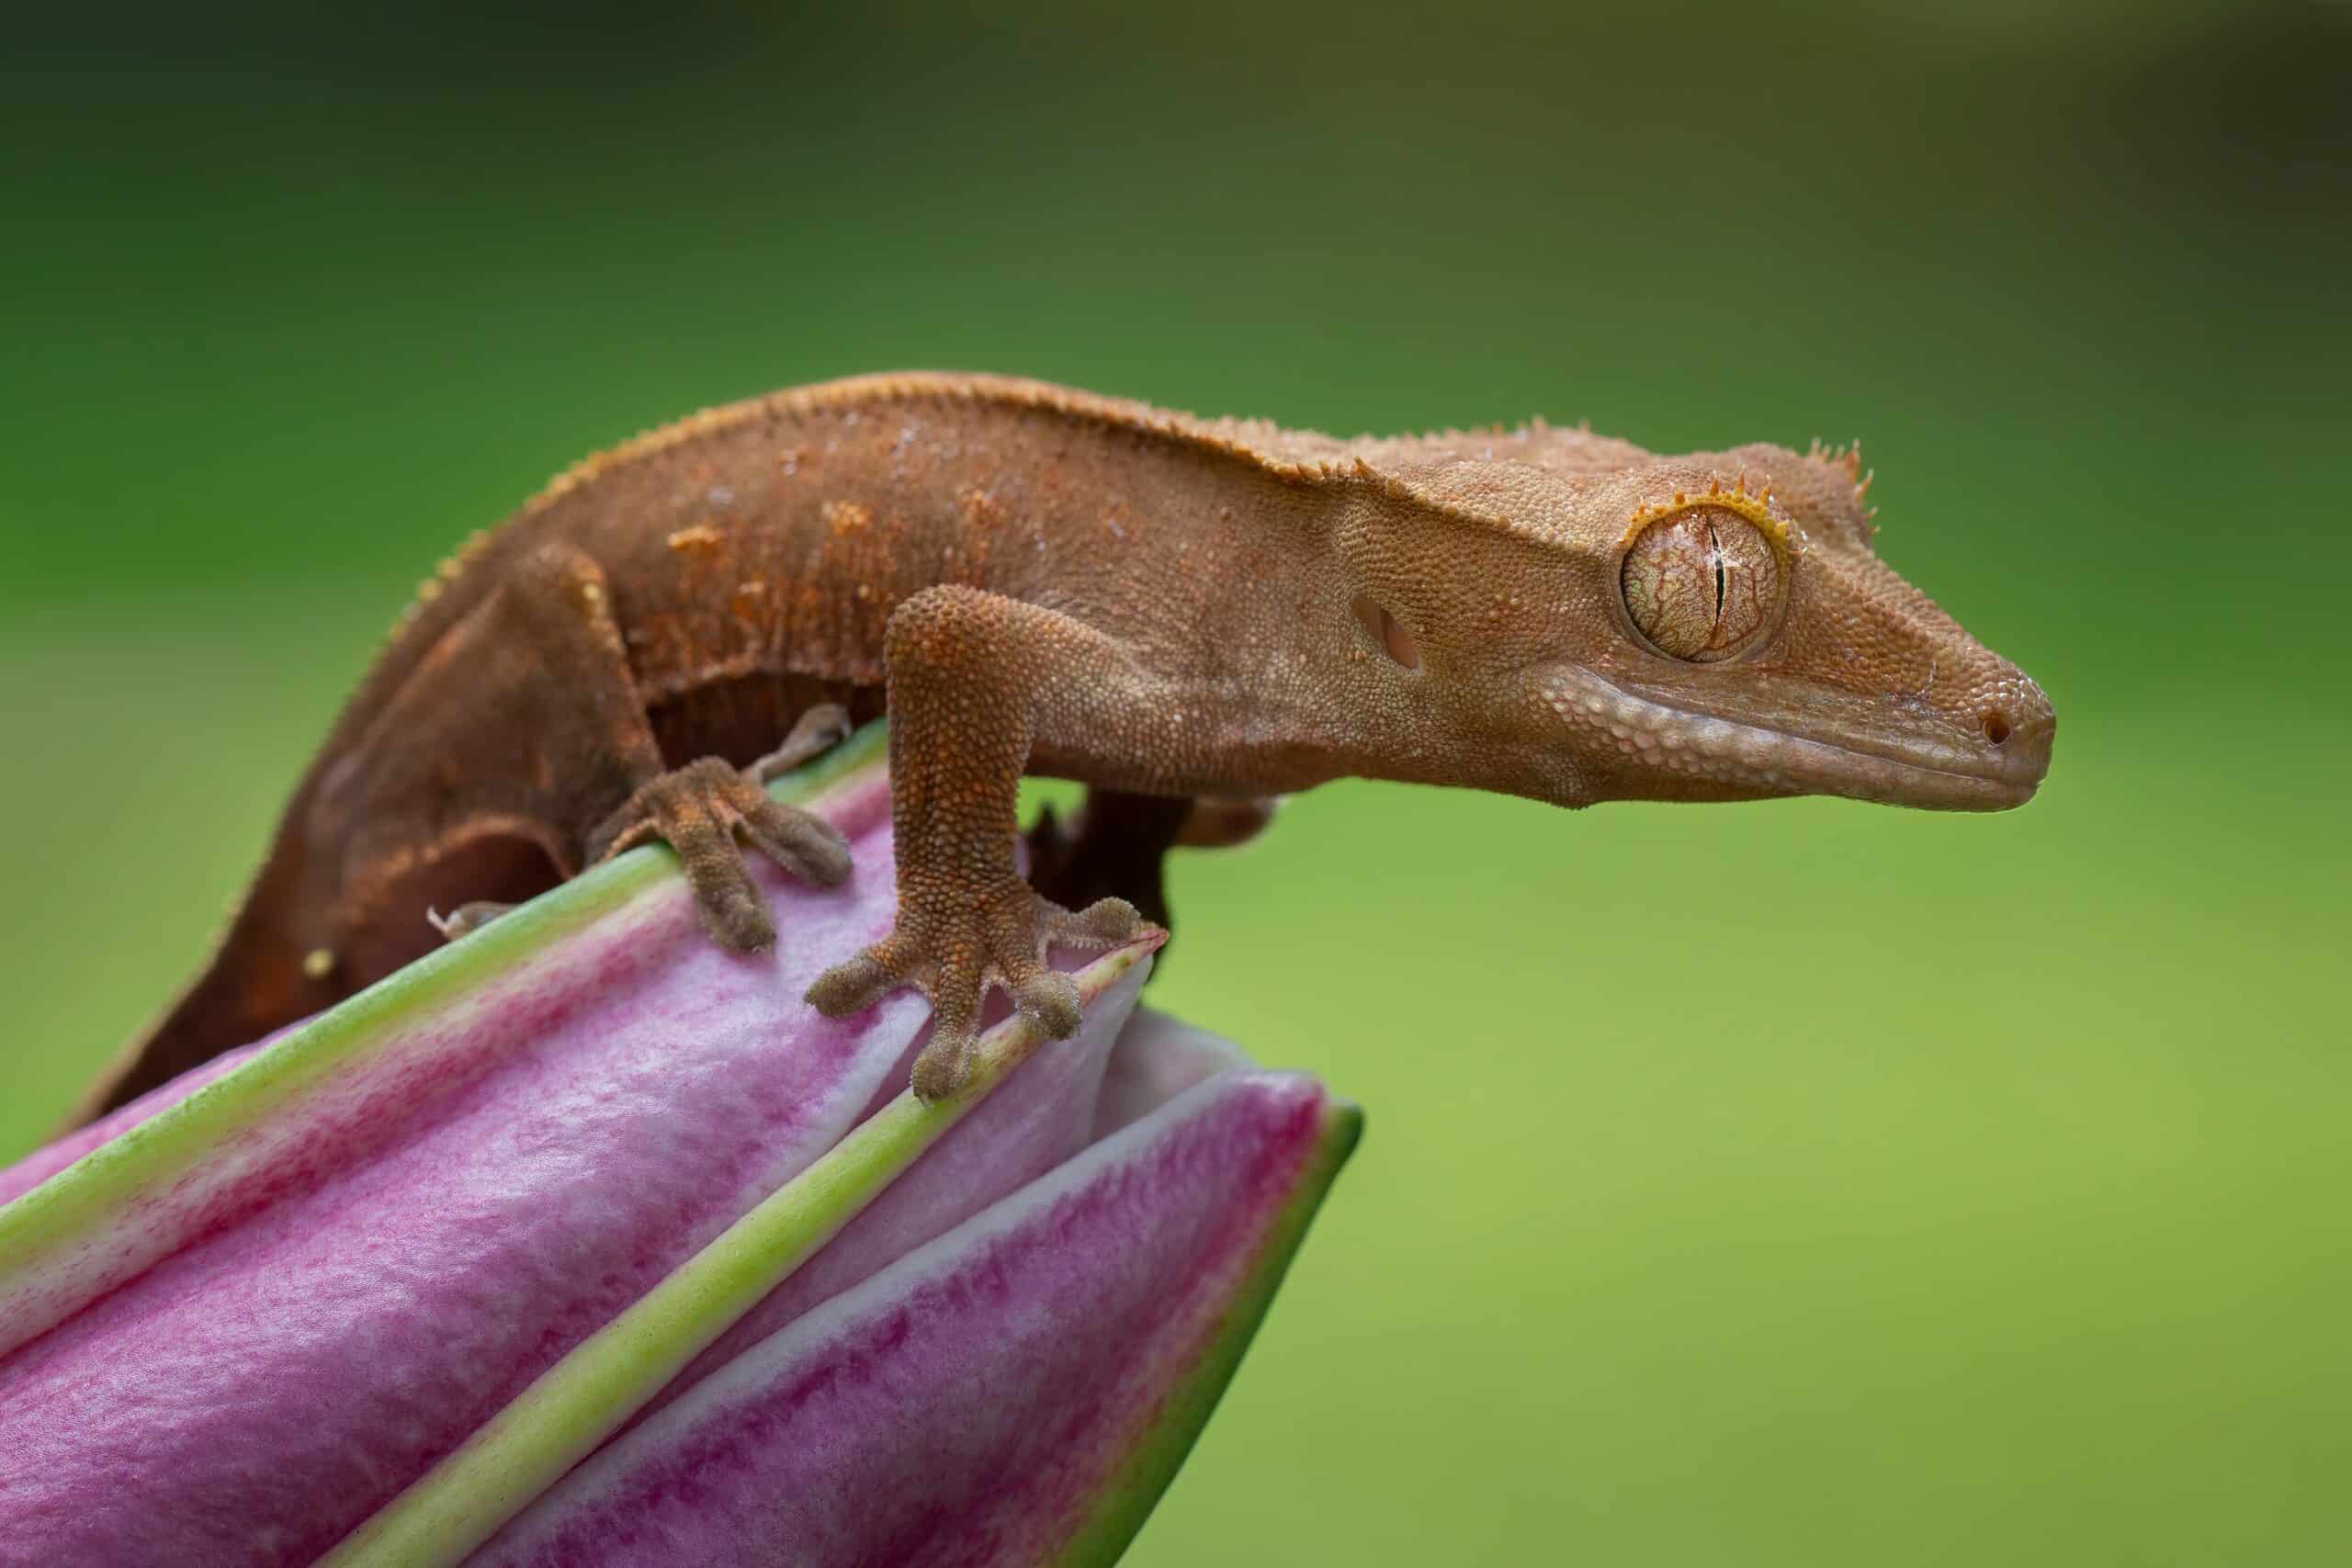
column 1715, row 626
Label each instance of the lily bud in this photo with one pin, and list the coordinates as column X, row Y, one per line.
column 582, row 1241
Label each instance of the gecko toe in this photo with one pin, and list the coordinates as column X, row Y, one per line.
column 801, row 841
column 856, row 983
column 816, row 731
column 945, row 1066
column 1046, row 998
column 731, row 906
column 1106, row 922
column 736, row 915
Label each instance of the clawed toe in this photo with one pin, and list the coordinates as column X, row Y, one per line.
column 1047, row 998
column 1106, row 922
column 818, row 730
column 855, row 984
column 944, row 1068
column 802, row 842
column 732, row 910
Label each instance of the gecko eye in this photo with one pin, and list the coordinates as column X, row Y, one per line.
column 1704, row 584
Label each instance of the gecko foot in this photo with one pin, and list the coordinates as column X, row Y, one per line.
column 699, row 809
column 953, row 946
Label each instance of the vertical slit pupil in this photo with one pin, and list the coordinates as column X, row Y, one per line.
column 1715, row 558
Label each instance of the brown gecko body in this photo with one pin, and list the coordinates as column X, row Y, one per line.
column 1036, row 579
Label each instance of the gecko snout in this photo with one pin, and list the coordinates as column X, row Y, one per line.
column 2018, row 724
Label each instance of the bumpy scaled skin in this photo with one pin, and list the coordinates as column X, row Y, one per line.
column 1036, row 579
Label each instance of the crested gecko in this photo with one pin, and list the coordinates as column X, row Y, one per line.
column 1188, row 616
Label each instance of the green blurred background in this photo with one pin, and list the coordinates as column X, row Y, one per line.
column 1978, row 1196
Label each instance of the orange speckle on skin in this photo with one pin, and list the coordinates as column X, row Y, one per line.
column 979, row 509
column 845, row 518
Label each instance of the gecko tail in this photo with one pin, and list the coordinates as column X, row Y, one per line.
column 300, row 941
column 255, row 983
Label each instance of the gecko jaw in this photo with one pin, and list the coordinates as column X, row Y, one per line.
column 1893, row 769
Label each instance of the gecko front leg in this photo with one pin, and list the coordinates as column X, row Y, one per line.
column 700, row 808
column 975, row 681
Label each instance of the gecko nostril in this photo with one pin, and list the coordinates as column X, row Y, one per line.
column 1997, row 726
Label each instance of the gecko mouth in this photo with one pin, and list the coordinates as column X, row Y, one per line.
column 1813, row 744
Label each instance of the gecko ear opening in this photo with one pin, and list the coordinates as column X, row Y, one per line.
column 1391, row 638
